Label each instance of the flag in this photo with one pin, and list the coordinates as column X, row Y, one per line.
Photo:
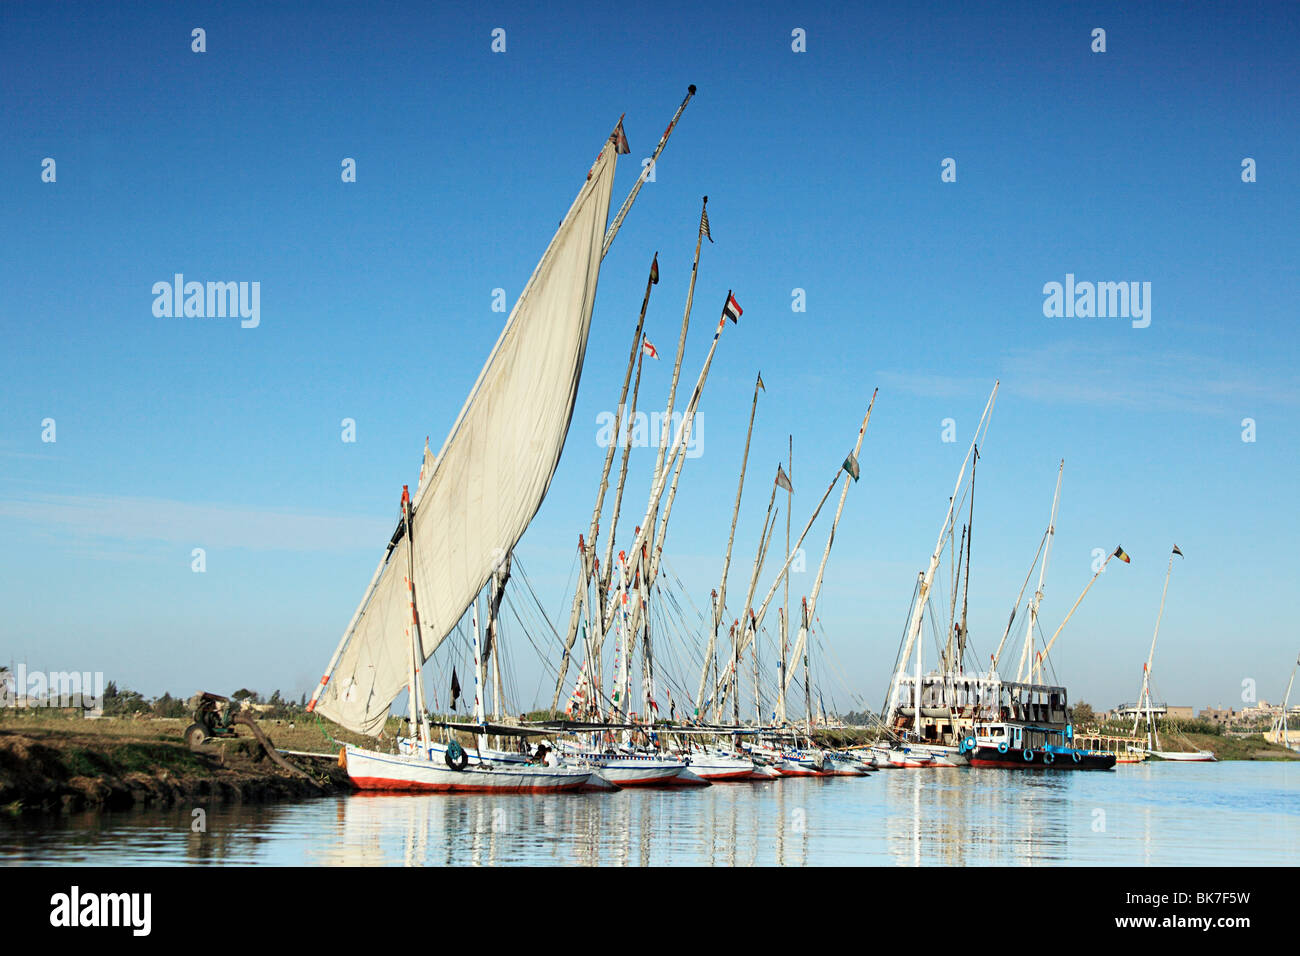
column 1177, row 552
column 654, row 270
column 704, row 224
column 733, row 311
column 620, row 140
column 649, row 349
column 760, row 382
column 783, row 480
column 1119, row 553
column 455, row 688
column 851, row 466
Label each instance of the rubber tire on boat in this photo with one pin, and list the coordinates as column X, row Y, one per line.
column 1028, row 755
column 1076, row 756
column 1002, row 747
column 1048, row 756
column 455, row 756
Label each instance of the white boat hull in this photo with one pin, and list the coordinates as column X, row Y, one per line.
column 634, row 771
column 370, row 770
column 720, row 767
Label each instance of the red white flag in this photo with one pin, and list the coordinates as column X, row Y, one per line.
column 732, row 310
column 650, row 350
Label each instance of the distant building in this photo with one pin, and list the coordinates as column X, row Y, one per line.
column 1174, row 711
column 1215, row 715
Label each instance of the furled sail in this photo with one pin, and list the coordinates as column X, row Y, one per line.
column 477, row 497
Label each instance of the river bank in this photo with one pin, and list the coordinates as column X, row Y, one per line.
column 47, row 764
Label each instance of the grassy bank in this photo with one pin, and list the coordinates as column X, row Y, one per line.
column 53, row 762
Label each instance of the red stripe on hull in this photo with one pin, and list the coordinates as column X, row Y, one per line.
column 406, row 786
column 729, row 775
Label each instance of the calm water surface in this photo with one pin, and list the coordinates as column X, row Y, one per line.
column 1153, row 814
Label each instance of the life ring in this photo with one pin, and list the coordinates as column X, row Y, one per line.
column 455, row 756
column 1048, row 756
column 1027, row 754
column 1002, row 747
column 1076, row 756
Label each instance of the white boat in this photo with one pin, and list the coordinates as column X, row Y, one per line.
column 719, row 766
column 371, row 770
column 1184, row 756
column 633, row 770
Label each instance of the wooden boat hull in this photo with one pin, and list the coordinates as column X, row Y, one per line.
column 370, row 770
column 1018, row 759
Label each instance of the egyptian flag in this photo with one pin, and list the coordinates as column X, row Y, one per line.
column 732, row 310
column 455, row 688
column 1177, row 552
column 649, row 349
column 654, row 270
column 1119, row 553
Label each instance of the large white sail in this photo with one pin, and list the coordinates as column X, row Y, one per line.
column 491, row 475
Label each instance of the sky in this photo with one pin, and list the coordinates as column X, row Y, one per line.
column 824, row 167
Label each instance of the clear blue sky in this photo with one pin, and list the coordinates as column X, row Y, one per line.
column 823, row 172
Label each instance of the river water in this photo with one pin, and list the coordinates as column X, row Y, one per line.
column 1151, row 814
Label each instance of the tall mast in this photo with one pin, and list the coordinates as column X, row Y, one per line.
column 415, row 686
column 479, row 681
column 785, row 597
column 1027, row 653
column 1038, row 660
column 757, row 617
column 1280, row 724
column 495, row 594
column 720, row 596
column 927, row 580
column 654, row 158
column 589, row 553
column 1152, row 739
column 801, row 641
column 603, row 580
column 678, row 447
column 739, row 632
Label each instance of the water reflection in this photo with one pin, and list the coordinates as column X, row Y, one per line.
column 1140, row 815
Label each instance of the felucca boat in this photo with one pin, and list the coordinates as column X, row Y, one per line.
column 474, row 501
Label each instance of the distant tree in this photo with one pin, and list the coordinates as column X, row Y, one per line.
column 1083, row 713
column 244, row 694
column 168, row 706
column 123, row 702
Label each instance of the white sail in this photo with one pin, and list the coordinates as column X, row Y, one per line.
column 491, row 475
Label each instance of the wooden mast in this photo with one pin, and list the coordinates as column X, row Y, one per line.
column 589, row 553
column 654, row 158
column 1026, row 655
column 810, row 605
column 927, row 579
column 720, row 595
column 1152, row 738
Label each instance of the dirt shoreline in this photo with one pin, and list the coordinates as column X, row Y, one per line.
column 63, row 771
